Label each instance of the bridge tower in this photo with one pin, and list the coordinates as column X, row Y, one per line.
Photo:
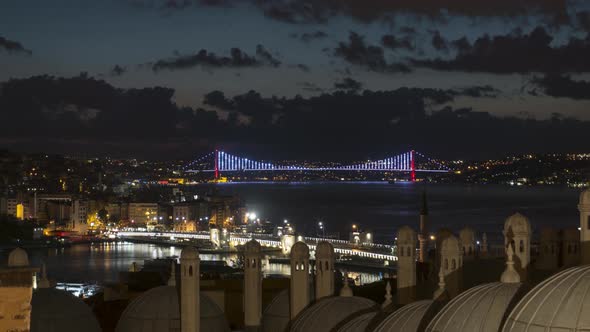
column 216, row 164
column 413, row 165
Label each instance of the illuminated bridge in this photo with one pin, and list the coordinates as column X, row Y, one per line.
column 367, row 250
column 221, row 161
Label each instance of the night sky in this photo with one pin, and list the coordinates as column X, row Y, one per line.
column 321, row 79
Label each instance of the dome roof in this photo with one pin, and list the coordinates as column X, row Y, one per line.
column 276, row 315
column 158, row 310
column 585, row 197
column 560, row 303
column 518, row 223
column 189, row 252
column 57, row 310
column 18, row 258
column 358, row 323
column 406, row 234
column 480, row 308
column 300, row 250
column 450, row 246
column 406, row 318
column 328, row 312
column 324, row 249
column 252, row 247
column 467, row 234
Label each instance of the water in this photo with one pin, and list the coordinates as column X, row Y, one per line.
column 381, row 207
column 101, row 262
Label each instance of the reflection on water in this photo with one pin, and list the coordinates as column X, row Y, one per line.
column 102, row 262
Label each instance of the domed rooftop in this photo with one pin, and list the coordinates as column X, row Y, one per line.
column 18, row 258
column 252, row 247
column 324, row 249
column 276, row 315
column 158, row 310
column 450, row 246
column 467, row 234
column 406, row 318
column 406, row 234
column 357, row 323
column 518, row 223
column 189, row 252
column 480, row 308
column 300, row 250
column 560, row 303
column 585, row 197
column 57, row 310
column 328, row 312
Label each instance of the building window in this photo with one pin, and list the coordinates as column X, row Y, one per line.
column 588, row 222
column 453, row 265
column 446, row 264
column 190, row 271
column 521, row 246
column 327, row 267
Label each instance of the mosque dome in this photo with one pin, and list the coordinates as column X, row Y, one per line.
column 252, row 247
column 324, row 249
column 18, row 258
column 518, row 223
column 560, row 303
column 57, row 310
column 480, row 308
column 585, row 197
column 189, row 252
column 327, row 313
column 276, row 315
column 300, row 250
column 406, row 318
column 356, row 323
column 158, row 310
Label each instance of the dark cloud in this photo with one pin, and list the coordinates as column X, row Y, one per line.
column 12, row 46
column 206, row 59
column 348, row 84
column 303, row 67
column 118, row 70
column 583, row 18
column 318, row 11
column 561, row 86
column 263, row 54
column 394, row 43
column 309, row 36
column 439, row 42
column 355, row 51
column 516, row 53
column 310, row 87
column 407, row 30
column 478, row 91
column 81, row 114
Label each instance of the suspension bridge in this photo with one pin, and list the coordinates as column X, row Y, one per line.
column 220, row 161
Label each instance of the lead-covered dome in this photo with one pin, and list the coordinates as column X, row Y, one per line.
column 300, row 250
column 18, row 258
column 358, row 323
column 276, row 315
column 252, row 247
column 158, row 310
column 189, row 252
column 480, row 308
column 560, row 303
column 406, row 318
column 57, row 310
column 324, row 249
column 518, row 223
column 327, row 313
